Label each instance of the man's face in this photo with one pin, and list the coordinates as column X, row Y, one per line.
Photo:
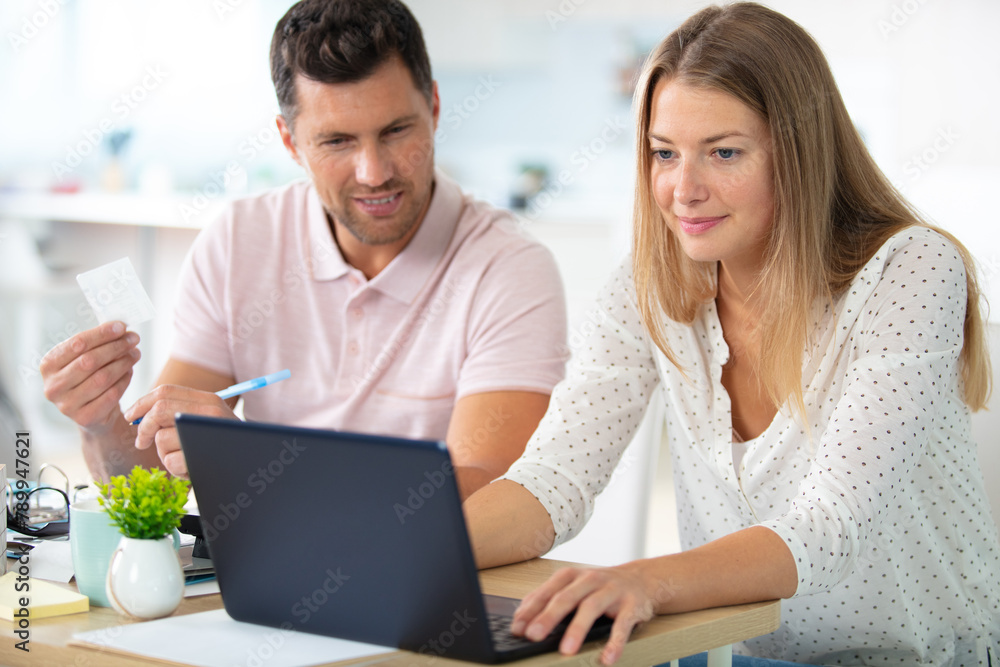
column 368, row 147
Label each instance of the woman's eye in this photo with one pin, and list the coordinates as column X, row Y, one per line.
column 726, row 153
column 663, row 154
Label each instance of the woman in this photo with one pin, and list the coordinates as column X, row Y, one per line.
column 819, row 348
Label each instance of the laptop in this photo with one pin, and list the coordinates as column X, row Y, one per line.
column 354, row 536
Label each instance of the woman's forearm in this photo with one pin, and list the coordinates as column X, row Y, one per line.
column 507, row 524
column 750, row 565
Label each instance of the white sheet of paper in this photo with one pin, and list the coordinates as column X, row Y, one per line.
column 115, row 293
column 212, row 639
column 49, row 559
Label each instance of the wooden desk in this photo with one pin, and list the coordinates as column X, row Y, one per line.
column 662, row 639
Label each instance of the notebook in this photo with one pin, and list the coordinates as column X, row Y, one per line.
column 373, row 544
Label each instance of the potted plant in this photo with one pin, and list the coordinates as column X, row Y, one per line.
column 144, row 577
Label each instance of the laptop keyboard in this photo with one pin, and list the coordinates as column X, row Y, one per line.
column 499, row 612
column 500, row 629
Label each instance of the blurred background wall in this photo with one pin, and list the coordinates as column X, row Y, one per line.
column 125, row 125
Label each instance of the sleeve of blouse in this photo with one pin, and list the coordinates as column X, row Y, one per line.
column 593, row 412
column 908, row 343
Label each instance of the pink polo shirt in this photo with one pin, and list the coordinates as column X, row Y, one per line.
column 471, row 305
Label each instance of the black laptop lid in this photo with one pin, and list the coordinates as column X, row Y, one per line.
column 353, row 536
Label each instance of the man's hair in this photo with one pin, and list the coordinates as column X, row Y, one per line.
column 833, row 207
column 344, row 41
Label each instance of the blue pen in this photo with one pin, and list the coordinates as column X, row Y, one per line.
column 244, row 387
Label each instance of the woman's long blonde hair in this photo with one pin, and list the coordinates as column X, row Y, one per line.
column 833, row 207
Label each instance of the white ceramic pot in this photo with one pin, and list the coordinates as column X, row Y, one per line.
column 145, row 579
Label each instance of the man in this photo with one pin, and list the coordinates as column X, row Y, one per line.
column 400, row 305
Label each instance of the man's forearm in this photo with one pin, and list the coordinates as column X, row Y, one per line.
column 113, row 451
column 471, row 479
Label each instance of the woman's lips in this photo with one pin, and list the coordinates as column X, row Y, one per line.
column 699, row 225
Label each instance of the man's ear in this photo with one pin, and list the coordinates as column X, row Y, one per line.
column 435, row 104
column 287, row 139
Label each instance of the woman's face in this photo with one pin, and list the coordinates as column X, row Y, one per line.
column 711, row 173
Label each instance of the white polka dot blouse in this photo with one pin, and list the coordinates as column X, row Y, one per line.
column 881, row 500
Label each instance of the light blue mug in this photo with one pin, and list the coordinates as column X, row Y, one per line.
column 92, row 540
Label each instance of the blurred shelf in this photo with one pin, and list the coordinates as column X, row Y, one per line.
column 117, row 209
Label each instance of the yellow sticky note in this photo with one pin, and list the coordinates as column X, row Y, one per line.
column 44, row 599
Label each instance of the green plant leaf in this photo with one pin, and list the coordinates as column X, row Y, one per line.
column 147, row 504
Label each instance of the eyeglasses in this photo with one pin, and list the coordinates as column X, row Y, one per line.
column 45, row 516
column 57, row 525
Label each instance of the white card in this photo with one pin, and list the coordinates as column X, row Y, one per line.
column 115, row 293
